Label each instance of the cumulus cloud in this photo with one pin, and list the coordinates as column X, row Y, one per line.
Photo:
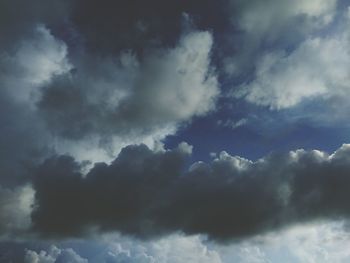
column 54, row 255
column 127, row 96
column 272, row 16
column 172, row 249
column 273, row 24
column 59, row 96
column 311, row 243
column 146, row 193
column 86, row 78
column 113, row 249
column 318, row 67
column 36, row 59
column 305, row 243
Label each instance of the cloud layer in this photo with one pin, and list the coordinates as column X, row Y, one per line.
column 146, row 193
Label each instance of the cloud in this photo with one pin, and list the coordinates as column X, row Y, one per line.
column 59, row 96
column 139, row 168
column 311, row 243
column 128, row 96
column 229, row 123
column 17, row 23
column 112, row 249
column 272, row 16
column 172, row 249
column 272, row 24
column 305, row 243
column 15, row 210
column 145, row 193
column 36, row 59
column 316, row 68
column 54, row 255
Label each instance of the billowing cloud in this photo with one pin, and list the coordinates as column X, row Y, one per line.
column 305, row 243
column 272, row 16
column 318, row 67
column 59, row 96
column 172, row 249
column 128, row 96
column 273, row 24
column 114, row 249
column 34, row 61
column 146, row 193
column 54, row 255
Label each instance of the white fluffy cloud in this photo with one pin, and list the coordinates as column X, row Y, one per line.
column 54, row 255
column 260, row 17
column 319, row 66
column 317, row 242
column 109, row 103
column 172, row 249
column 271, row 24
column 31, row 63
column 131, row 95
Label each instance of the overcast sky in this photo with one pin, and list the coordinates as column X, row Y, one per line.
column 174, row 131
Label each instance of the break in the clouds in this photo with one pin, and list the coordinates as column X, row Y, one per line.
column 144, row 193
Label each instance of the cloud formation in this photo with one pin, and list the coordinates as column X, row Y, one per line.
column 58, row 95
column 15, row 211
column 54, row 255
column 273, row 24
column 127, row 96
column 145, row 193
column 317, row 67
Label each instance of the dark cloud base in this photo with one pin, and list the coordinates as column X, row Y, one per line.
column 147, row 194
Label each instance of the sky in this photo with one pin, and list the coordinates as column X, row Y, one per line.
column 172, row 131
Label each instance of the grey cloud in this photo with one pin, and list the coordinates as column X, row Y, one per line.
column 15, row 209
column 18, row 18
column 58, row 95
column 127, row 96
column 23, row 136
column 145, row 193
column 141, row 181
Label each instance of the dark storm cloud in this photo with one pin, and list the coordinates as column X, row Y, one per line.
column 68, row 203
column 109, row 26
column 18, row 18
column 145, row 193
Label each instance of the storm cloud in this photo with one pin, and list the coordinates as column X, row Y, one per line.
column 146, row 194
